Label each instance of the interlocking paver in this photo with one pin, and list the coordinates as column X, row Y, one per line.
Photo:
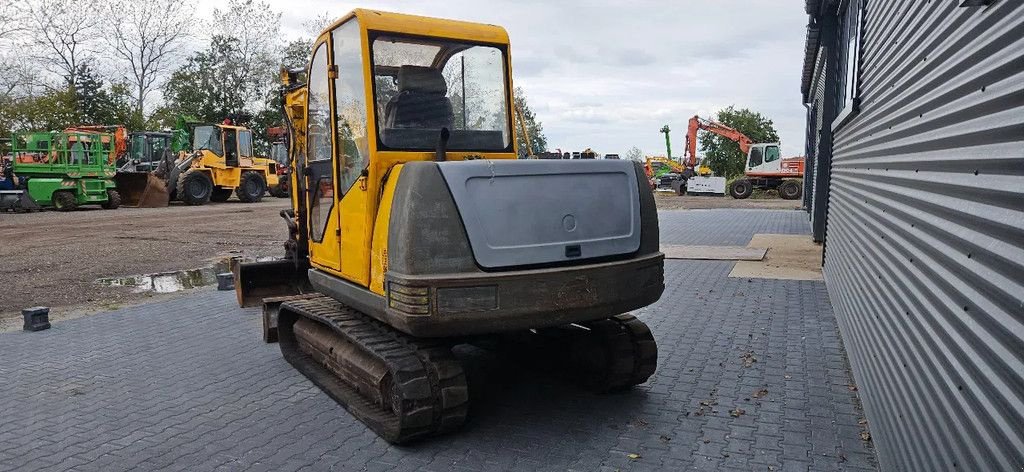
column 187, row 384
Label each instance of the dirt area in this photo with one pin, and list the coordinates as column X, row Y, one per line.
column 54, row 259
column 671, row 201
column 789, row 257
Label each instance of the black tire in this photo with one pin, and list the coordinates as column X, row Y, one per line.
column 280, row 190
column 741, row 189
column 790, row 190
column 64, row 200
column 251, row 187
column 113, row 200
column 220, row 195
column 195, row 187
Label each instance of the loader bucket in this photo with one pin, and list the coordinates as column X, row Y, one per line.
column 255, row 281
column 17, row 201
column 141, row 190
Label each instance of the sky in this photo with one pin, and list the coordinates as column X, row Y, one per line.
column 609, row 74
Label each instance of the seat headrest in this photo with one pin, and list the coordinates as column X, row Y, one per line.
column 421, row 79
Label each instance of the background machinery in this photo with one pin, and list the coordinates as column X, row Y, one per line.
column 220, row 162
column 683, row 176
column 195, row 163
column 414, row 229
column 64, row 169
column 764, row 168
column 279, row 154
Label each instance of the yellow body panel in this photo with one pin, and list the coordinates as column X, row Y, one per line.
column 327, row 253
column 379, row 249
column 226, row 177
column 356, row 231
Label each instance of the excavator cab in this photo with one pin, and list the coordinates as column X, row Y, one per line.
column 414, row 227
column 765, row 161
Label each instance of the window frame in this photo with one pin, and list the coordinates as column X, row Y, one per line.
column 848, row 78
column 778, row 154
column 246, row 150
column 750, row 157
column 330, row 99
column 316, row 186
column 372, row 35
column 334, row 77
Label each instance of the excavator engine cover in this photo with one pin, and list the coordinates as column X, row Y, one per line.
column 497, row 246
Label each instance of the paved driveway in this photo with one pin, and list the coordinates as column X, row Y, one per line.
column 752, row 376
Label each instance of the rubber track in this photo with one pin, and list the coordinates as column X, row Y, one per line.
column 429, row 383
column 633, row 351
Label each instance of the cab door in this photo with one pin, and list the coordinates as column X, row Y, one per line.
column 321, row 188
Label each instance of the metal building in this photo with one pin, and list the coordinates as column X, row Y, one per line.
column 915, row 183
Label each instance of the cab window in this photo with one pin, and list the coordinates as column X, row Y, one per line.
column 318, row 139
column 318, row 145
column 423, row 85
column 207, row 137
column 245, row 143
column 350, row 105
column 771, row 153
column 756, row 157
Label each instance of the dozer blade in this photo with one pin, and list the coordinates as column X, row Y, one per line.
column 142, row 190
column 255, row 281
column 17, row 201
column 403, row 388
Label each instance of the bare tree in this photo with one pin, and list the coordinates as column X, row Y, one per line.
column 635, row 154
column 145, row 39
column 64, row 33
column 10, row 19
column 316, row 25
column 256, row 28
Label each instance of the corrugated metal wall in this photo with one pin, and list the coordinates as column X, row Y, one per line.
column 822, row 145
column 925, row 260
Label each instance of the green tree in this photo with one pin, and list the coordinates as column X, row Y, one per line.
column 208, row 87
column 534, row 127
column 55, row 109
column 296, row 54
column 100, row 104
column 723, row 155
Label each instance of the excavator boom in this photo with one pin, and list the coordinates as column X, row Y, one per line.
column 697, row 123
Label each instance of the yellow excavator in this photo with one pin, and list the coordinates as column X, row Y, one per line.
column 415, row 229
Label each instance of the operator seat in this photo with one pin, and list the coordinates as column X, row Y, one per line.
column 421, row 100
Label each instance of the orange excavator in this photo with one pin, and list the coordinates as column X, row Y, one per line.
column 764, row 168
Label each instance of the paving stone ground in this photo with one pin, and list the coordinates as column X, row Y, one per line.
column 752, row 376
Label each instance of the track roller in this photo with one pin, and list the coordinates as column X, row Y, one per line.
column 403, row 388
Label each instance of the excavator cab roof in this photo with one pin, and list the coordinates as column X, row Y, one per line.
column 414, row 25
column 419, row 76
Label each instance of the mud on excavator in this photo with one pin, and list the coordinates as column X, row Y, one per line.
column 414, row 229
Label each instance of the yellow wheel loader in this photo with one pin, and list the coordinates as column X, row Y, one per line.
column 414, row 229
column 221, row 163
column 206, row 162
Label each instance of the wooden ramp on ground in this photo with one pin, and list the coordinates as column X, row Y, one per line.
column 713, row 253
column 789, row 257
